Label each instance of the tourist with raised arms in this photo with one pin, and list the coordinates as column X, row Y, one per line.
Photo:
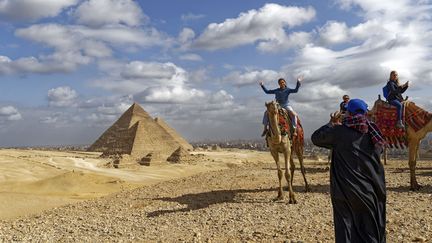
column 282, row 94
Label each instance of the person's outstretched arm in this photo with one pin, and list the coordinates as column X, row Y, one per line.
column 404, row 87
column 296, row 88
column 272, row 91
column 299, row 79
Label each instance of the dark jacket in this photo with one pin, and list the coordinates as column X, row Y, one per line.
column 343, row 107
column 395, row 91
column 357, row 184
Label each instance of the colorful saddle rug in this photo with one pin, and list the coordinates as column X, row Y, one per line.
column 284, row 122
column 386, row 119
column 416, row 117
column 300, row 133
column 286, row 127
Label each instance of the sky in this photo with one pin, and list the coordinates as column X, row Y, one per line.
column 70, row 68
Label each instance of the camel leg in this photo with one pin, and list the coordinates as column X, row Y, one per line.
column 287, row 155
column 413, row 146
column 275, row 155
column 292, row 165
column 303, row 170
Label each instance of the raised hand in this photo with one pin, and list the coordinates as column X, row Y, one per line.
column 261, row 83
column 300, row 78
column 335, row 118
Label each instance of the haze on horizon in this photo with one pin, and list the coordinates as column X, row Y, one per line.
column 70, row 68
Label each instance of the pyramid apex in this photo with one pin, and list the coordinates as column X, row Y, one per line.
column 135, row 108
column 135, row 104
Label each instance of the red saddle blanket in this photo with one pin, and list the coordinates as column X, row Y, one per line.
column 416, row 117
column 385, row 119
column 284, row 122
column 285, row 125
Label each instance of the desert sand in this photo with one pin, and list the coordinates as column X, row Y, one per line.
column 32, row 181
column 222, row 196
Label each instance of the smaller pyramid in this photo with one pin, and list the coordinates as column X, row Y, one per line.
column 180, row 156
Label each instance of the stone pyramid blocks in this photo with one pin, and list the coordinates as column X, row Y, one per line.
column 137, row 134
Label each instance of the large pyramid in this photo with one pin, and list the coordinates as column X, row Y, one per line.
column 136, row 133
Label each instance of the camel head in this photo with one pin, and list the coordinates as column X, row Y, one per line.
column 272, row 109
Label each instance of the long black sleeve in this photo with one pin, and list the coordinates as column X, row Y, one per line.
column 324, row 136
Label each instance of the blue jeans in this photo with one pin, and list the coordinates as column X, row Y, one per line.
column 399, row 106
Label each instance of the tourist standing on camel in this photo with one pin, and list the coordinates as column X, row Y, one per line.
column 395, row 91
column 357, row 183
column 282, row 94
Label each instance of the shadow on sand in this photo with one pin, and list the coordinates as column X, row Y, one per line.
column 427, row 189
column 205, row 199
column 311, row 170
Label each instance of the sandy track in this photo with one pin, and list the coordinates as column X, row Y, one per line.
column 234, row 204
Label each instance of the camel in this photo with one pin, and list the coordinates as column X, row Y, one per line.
column 414, row 139
column 279, row 143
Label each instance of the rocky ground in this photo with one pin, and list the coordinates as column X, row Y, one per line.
column 232, row 205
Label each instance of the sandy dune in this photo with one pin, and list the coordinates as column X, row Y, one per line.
column 32, row 180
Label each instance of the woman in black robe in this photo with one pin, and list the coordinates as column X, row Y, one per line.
column 357, row 182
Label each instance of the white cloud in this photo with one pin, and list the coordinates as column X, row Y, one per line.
column 57, row 62
column 334, row 33
column 389, row 9
column 5, row 65
column 294, row 40
column 251, row 77
column 76, row 45
column 185, row 38
column 77, row 37
column 171, row 94
column 186, row 35
column 62, row 97
column 318, row 92
column 161, row 72
column 97, row 119
column 388, row 39
column 96, row 13
column 9, row 113
column 31, row 10
column 137, row 76
column 51, row 119
column 199, row 75
column 264, row 25
column 191, row 57
column 116, row 102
